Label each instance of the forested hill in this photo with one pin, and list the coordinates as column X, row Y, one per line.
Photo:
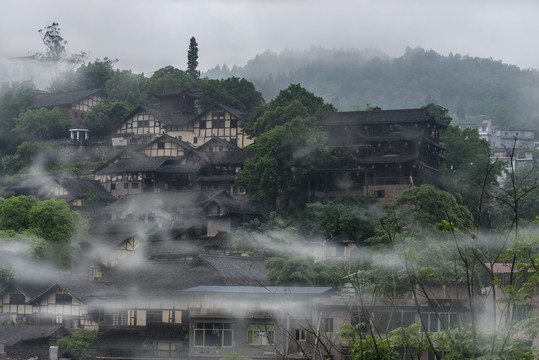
column 350, row 79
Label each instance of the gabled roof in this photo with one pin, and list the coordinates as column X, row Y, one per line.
column 379, row 117
column 167, row 117
column 11, row 335
column 239, row 114
column 130, row 161
column 30, row 289
column 178, row 142
column 220, row 141
column 80, row 288
column 62, row 99
column 76, row 187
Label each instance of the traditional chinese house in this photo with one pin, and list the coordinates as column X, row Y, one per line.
column 381, row 152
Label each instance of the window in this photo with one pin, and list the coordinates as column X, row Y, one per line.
column 16, row 299
column 328, row 325
column 301, row 334
column 119, row 319
column 161, row 145
column 63, row 299
column 438, row 321
column 234, row 123
column 218, row 119
column 202, row 124
column 213, row 334
column 260, row 334
column 126, row 185
column 134, row 185
column 113, row 186
column 143, row 123
column 153, row 316
column 521, row 312
column 380, row 194
column 195, row 140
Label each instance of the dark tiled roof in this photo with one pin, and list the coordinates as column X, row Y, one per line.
column 157, row 278
column 163, row 201
column 180, row 90
column 28, row 287
column 135, row 162
column 11, row 335
column 81, row 288
column 241, row 115
column 217, row 140
column 78, row 187
column 166, row 116
column 178, row 142
column 62, row 99
column 378, row 117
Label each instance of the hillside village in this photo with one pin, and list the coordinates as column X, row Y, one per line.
column 161, row 276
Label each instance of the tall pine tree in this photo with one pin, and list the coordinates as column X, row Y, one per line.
column 192, row 58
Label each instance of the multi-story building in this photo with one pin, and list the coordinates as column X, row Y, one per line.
column 382, row 152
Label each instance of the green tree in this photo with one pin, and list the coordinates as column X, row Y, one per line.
column 55, row 43
column 77, row 344
column 284, row 158
column 348, row 214
column 467, row 168
column 164, row 79
column 429, row 206
column 126, row 86
column 15, row 212
column 299, row 271
column 104, row 116
column 234, row 92
column 12, row 103
column 192, row 58
column 292, row 102
column 94, row 75
column 41, row 124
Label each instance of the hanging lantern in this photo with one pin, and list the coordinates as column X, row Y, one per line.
column 406, row 143
column 387, row 165
column 413, row 166
column 365, row 127
column 400, row 166
column 419, row 143
column 379, row 145
column 416, row 125
column 372, row 167
column 428, row 125
column 346, row 128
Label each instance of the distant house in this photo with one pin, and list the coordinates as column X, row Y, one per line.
column 75, row 191
column 30, row 341
column 146, row 123
column 76, row 104
column 384, row 152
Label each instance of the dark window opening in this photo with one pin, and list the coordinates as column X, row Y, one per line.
column 64, row 299
column 16, row 299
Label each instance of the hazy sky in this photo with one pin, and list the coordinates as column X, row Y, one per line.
column 146, row 35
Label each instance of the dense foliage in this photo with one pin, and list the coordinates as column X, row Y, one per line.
column 352, row 79
column 49, row 227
